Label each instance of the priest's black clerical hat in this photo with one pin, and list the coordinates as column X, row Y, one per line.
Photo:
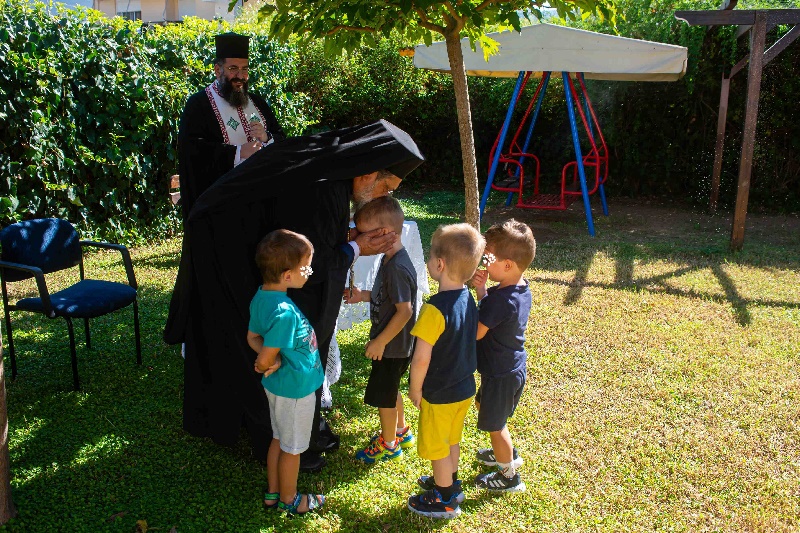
column 232, row 45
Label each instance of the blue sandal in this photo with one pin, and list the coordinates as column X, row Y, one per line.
column 315, row 501
column 271, row 496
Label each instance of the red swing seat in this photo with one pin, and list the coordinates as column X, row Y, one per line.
column 595, row 162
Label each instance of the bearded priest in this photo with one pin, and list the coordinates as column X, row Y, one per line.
column 223, row 124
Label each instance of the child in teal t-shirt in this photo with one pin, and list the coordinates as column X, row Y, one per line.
column 289, row 361
column 279, row 322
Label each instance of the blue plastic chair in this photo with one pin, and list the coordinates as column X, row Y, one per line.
column 34, row 248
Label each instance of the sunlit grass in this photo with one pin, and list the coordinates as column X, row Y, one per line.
column 663, row 394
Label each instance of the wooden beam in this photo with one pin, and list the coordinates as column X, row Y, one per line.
column 744, row 29
column 716, row 18
column 781, row 44
column 739, row 18
column 757, row 43
column 721, row 120
column 739, row 66
column 781, row 16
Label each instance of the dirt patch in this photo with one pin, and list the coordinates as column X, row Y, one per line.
column 629, row 218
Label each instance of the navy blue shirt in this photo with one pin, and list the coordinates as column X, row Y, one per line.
column 505, row 312
column 449, row 322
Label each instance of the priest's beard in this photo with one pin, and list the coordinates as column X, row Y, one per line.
column 363, row 196
column 237, row 98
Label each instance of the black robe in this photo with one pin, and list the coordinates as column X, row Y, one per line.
column 203, row 156
column 303, row 184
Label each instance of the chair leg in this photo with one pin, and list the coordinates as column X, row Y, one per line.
column 136, row 331
column 4, row 291
column 88, row 335
column 76, row 383
column 11, row 346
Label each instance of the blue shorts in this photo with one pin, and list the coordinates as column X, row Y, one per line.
column 498, row 398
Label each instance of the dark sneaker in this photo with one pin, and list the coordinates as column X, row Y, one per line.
column 497, row 482
column 430, row 504
column 486, row 456
column 311, row 463
column 378, row 451
column 427, row 483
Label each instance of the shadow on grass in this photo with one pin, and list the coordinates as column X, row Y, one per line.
column 656, row 234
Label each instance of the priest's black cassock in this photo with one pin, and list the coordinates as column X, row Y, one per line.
column 204, row 153
column 303, row 184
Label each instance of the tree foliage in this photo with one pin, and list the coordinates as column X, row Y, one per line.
column 345, row 24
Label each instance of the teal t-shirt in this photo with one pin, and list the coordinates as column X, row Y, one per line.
column 282, row 325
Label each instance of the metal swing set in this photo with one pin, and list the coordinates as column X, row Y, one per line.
column 579, row 178
column 542, row 50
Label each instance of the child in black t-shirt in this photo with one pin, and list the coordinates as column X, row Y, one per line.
column 502, row 317
column 393, row 310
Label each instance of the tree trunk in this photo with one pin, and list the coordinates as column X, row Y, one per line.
column 7, row 508
column 471, row 197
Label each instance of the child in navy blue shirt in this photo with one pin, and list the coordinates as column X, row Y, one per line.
column 502, row 317
column 288, row 360
column 442, row 381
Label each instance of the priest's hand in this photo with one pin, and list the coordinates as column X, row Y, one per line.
column 257, row 130
column 249, row 148
column 377, row 241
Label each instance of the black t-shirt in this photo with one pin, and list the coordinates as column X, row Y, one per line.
column 505, row 312
column 395, row 282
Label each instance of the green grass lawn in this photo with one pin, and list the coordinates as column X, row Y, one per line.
column 663, row 394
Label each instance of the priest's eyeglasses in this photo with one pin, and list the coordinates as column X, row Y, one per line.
column 234, row 70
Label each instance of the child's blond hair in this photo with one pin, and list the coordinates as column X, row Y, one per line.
column 461, row 246
column 384, row 210
column 279, row 251
column 512, row 240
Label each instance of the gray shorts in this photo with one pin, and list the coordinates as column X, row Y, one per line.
column 292, row 419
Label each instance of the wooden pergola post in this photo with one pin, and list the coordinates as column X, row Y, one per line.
column 758, row 37
column 718, row 149
column 758, row 23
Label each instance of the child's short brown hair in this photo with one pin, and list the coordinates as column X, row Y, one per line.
column 512, row 240
column 279, row 251
column 461, row 246
column 384, row 210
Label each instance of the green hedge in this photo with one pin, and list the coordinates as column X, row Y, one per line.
column 89, row 109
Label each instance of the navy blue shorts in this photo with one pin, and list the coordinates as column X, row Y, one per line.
column 384, row 381
column 498, row 398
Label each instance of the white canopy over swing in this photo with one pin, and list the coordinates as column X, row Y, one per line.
column 550, row 48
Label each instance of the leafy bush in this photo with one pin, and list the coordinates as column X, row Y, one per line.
column 90, row 110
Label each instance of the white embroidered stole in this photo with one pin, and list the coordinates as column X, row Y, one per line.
column 234, row 122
